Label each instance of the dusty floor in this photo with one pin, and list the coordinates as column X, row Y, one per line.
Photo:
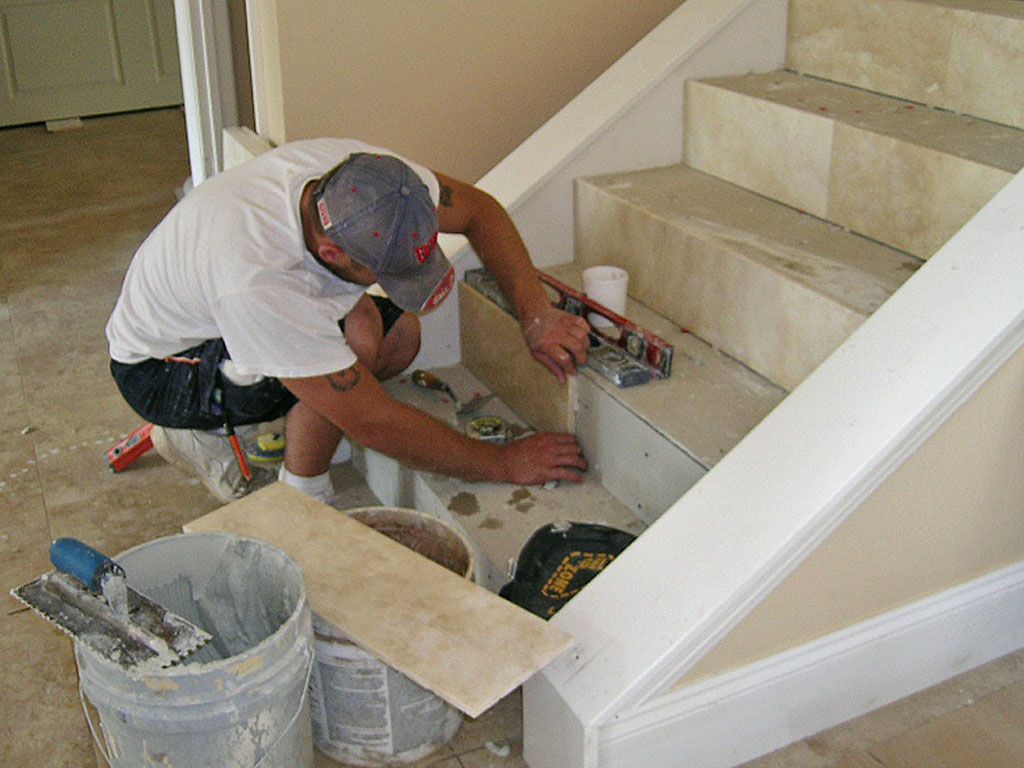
column 73, row 207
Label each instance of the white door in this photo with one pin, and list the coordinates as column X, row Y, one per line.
column 71, row 58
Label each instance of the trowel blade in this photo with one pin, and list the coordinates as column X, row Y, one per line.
column 148, row 639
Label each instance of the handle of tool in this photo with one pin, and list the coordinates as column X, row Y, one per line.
column 82, row 561
column 427, row 380
column 236, row 446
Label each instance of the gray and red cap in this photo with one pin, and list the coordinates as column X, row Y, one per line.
column 378, row 211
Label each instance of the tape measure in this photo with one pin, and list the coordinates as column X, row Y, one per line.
column 489, row 429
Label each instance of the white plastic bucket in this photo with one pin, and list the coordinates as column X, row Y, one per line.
column 364, row 712
column 241, row 700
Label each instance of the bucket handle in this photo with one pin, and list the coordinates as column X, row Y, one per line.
column 100, row 744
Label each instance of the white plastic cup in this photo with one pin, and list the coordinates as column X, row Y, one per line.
column 606, row 285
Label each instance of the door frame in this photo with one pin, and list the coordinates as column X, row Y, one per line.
column 207, row 82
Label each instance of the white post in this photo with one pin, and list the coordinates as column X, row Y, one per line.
column 204, row 47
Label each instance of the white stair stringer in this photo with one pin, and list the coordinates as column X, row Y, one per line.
column 828, row 681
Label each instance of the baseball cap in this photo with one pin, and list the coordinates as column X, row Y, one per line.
column 378, row 210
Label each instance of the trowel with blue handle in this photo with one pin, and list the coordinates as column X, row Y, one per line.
column 88, row 597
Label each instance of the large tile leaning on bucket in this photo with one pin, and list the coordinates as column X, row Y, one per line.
column 453, row 637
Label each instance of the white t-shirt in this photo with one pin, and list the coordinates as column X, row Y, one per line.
column 230, row 261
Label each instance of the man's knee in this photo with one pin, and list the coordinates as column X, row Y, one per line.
column 384, row 338
column 400, row 347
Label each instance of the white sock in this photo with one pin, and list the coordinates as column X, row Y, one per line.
column 343, row 453
column 319, row 487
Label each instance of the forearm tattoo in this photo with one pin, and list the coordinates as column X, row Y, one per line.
column 446, row 196
column 343, row 381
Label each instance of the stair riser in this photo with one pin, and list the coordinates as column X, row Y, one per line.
column 776, row 326
column 628, row 456
column 493, row 350
column 639, row 466
column 952, row 58
column 907, row 196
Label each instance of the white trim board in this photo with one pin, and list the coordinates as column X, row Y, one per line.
column 748, row 712
column 207, row 81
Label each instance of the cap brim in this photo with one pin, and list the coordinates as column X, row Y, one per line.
column 414, row 294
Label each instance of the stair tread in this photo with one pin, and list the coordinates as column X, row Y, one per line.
column 708, row 404
column 992, row 144
column 852, row 270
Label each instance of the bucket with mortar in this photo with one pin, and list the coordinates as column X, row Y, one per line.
column 240, row 701
column 364, row 712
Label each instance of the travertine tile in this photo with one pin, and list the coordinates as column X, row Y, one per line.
column 41, row 720
column 488, row 646
column 109, row 159
column 23, row 522
column 780, row 153
column 443, row 758
column 963, row 56
column 502, row 754
column 774, row 288
column 882, row 159
column 494, row 353
column 501, row 723
column 859, row 761
column 996, row 690
column 912, row 197
column 985, row 735
column 73, row 208
column 984, row 65
column 917, row 711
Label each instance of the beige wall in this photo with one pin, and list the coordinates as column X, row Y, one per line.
column 240, row 63
column 454, row 84
column 952, row 512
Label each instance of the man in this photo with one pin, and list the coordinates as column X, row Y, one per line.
column 248, row 302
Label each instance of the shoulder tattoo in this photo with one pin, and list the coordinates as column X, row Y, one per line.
column 343, row 381
column 446, row 196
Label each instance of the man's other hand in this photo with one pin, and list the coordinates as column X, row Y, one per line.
column 557, row 340
column 540, row 458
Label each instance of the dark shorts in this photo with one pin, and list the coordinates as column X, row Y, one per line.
column 188, row 391
column 389, row 312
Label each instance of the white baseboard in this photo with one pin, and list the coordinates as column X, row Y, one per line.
column 727, row 720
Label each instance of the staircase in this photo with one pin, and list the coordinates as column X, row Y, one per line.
column 806, row 196
column 804, row 202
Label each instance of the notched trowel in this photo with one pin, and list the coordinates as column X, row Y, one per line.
column 87, row 597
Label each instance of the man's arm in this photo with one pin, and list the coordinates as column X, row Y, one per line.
column 556, row 339
column 356, row 402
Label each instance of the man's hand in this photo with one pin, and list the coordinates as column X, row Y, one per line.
column 353, row 401
column 557, row 340
column 540, row 458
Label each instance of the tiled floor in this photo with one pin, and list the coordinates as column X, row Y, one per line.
column 73, row 207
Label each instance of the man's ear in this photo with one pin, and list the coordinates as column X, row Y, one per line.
column 330, row 253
